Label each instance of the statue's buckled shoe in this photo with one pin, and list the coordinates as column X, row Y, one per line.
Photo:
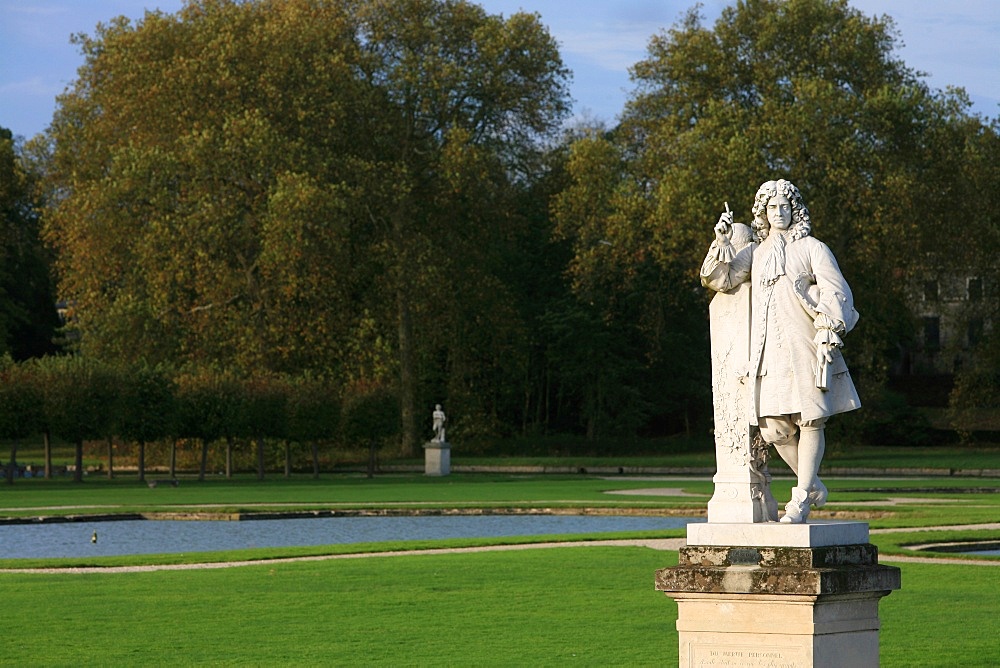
column 797, row 509
column 818, row 494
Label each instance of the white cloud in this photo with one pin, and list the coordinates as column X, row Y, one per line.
column 32, row 86
column 615, row 50
column 36, row 9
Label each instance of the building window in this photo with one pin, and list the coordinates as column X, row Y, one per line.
column 932, row 333
column 930, row 291
column 974, row 332
column 975, row 289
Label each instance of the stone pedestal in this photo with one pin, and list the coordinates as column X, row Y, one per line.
column 778, row 595
column 437, row 458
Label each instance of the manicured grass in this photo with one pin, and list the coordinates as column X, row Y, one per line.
column 590, row 606
column 661, row 454
column 34, row 497
column 943, row 616
column 893, row 457
column 594, row 606
column 886, row 457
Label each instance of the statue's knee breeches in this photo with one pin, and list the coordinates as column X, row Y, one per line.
column 781, row 429
column 777, row 430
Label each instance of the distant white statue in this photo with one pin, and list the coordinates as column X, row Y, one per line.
column 439, row 420
column 801, row 305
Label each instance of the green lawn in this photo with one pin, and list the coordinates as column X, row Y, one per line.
column 666, row 453
column 887, row 457
column 36, row 496
column 581, row 606
column 590, row 606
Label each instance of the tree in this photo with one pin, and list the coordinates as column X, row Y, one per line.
column 146, row 409
column 296, row 184
column 79, row 396
column 809, row 90
column 634, row 295
column 28, row 317
column 266, row 398
column 975, row 397
column 313, row 414
column 226, row 108
column 370, row 417
column 211, row 405
column 463, row 87
column 20, row 408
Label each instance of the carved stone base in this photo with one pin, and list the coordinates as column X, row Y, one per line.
column 437, row 458
column 778, row 606
column 742, row 496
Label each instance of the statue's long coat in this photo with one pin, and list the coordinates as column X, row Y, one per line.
column 783, row 329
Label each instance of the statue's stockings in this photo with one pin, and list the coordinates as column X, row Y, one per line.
column 804, row 453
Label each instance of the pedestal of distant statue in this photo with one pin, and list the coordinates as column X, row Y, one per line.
column 437, row 458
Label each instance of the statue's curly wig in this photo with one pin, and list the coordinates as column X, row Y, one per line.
column 801, row 223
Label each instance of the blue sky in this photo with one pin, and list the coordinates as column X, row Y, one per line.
column 954, row 43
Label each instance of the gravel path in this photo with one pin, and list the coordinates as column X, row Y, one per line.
column 936, row 560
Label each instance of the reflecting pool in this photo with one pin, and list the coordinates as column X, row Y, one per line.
column 983, row 553
column 74, row 539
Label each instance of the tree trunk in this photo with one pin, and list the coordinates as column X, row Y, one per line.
column 47, row 446
column 12, row 469
column 229, row 457
column 687, row 418
column 407, row 366
column 315, row 457
column 548, row 400
column 288, row 460
column 525, row 410
column 372, row 449
column 111, row 458
column 78, row 460
column 203, row 464
column 407, row 376
column 173, row 458
column 142, row 462
column 260, row 458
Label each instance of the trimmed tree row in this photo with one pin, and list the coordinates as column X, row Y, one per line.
column 80, row 400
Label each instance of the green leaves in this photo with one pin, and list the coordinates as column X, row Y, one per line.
column 302, row 185
column 809, row 90
column 21, row 401
column 27, row 314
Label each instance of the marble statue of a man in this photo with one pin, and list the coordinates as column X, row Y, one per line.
column 800, row 307
column 438, row 421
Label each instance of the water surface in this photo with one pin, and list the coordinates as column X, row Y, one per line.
column 73, row 539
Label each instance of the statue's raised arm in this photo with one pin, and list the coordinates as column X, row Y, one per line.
column 728, row 261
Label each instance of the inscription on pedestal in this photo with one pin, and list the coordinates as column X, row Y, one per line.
column 746, row 657
column 743, row 556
